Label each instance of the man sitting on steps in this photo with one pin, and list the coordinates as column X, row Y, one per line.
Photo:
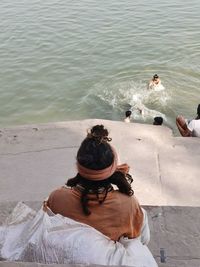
column 189, row 129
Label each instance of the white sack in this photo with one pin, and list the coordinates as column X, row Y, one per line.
column 48, row 238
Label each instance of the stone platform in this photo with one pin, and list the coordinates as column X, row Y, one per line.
column 36, row 159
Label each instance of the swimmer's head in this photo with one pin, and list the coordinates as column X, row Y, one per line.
column 158, row 121
column 128, row 113
column 155, row 77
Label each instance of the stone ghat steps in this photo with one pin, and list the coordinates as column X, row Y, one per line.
column 174, row 228
column 35, row 159
column 34, row 264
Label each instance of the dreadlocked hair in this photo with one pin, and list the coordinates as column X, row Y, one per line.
column 96, row 153
column 99, row 134
column 122, row 181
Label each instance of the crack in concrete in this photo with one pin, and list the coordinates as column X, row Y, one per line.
column 37, row 151
column 178, row 257
column 159, row 171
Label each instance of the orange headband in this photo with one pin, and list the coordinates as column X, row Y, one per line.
column 98, row 175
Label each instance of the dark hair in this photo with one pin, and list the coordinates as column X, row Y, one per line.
column 155, row 76
column 95, row 153
column 198, row 111
column 158, row 121
column 122, row 181
column 128, row 113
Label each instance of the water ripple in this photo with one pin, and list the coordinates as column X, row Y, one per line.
column 64, row 59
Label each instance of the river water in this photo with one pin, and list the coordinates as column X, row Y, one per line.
column 68, row 60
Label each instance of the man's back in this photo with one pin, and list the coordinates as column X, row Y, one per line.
column 119, row 214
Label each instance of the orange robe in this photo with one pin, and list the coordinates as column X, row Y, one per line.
column 119, row 215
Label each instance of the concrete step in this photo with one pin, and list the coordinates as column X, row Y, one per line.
column 36, row 159
column 34, row 264
column 173, row 228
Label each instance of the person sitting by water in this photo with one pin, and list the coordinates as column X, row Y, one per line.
column 189, row 129
column 155, row 81
column 90, row 198
column 128, row 116
column 86, row 222
column 158, row 121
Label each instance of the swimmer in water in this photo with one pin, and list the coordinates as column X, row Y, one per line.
column 128, row 116
column 158, row 121
column 154, row 82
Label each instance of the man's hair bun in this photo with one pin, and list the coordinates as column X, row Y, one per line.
column 99, row 134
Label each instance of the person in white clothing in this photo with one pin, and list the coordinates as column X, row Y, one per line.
column 194, row 127
column 189, row 129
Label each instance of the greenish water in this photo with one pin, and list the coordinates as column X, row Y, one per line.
column 68, row 60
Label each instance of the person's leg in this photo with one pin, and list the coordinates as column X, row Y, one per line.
column 180, row 120
column 182, row 126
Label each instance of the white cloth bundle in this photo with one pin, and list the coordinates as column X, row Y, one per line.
column 48, row 238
